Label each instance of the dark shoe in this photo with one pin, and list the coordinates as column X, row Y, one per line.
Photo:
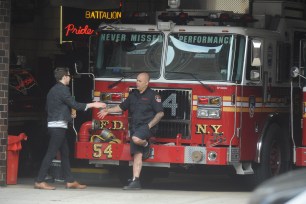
column 75, row 185
column 146, row 152
column 43, row 186
column 130, row 180
column 133, row 185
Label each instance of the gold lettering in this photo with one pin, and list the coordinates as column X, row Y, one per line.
column 103, row 14
column 104, row 123
column 201, row 129
column 87, row 14
column 117, row 125
column 97, row 150
column 215, row 128
column 118, row 15
column 108, row 151
column 93, row 15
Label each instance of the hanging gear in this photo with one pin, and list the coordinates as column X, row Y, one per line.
column 105, row 136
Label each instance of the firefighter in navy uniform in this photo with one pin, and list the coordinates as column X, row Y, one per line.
column 145, row 107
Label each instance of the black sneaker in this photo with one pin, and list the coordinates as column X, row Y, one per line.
column 133, row 185
column 146, row 152
column 129, row 181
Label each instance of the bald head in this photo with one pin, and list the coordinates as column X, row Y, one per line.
column 145, row 76
column 142, row 81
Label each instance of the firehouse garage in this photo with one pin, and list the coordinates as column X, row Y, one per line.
column 229, row 75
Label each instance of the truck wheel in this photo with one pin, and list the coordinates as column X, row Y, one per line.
column 275, row 155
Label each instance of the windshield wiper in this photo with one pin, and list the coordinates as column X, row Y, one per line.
column 196, row 78
column 128, row 76
column 123, row 77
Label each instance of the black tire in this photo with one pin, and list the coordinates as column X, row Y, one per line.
column 275, row 155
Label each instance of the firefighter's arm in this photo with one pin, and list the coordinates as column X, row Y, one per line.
column 156, row 119
column 105, row 111
column 95, row 105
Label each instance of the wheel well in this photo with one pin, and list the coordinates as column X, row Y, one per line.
column 274, row 119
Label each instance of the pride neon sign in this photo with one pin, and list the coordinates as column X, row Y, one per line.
column 77, row 24
column 73, row 29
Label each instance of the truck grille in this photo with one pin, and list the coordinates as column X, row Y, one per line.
column 177, row 109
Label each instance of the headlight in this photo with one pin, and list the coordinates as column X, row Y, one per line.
column 209, row 113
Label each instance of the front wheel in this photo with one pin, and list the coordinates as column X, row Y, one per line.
column 275, row 155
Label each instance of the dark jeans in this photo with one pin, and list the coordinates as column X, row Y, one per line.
column 58, row 141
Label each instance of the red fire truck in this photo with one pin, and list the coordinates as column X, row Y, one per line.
column 225, row 84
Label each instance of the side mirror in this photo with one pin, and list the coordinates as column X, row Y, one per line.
column 255, row 75
column 294, row 72
column 256, row 53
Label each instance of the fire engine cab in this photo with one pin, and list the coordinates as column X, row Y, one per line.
column 225, row 84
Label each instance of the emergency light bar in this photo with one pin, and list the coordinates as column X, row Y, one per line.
column 184, row 17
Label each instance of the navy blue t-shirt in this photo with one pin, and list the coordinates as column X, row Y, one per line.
column 142, row 107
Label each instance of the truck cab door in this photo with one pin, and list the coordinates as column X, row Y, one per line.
column 251, row 93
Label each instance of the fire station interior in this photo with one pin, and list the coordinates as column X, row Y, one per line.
column 37, row 47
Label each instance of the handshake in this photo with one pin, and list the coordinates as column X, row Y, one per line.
column 96, row 105
column 89, row 105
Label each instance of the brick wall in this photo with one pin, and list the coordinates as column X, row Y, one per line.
column 4, row 70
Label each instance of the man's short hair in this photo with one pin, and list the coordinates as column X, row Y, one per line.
column 60, row 72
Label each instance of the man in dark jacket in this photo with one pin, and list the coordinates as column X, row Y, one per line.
column 59, row 105
column 145, row 108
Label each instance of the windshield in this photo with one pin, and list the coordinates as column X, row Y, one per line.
column 128, row 52
column 216, row 57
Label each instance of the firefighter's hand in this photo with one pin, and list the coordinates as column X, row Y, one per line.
column 97, row 105
column 102, row 113
column 73, row 113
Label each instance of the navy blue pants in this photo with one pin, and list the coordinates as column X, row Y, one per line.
column 58, row 142
column 143, row 132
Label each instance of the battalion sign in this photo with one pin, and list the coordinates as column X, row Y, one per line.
column 78, row 23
